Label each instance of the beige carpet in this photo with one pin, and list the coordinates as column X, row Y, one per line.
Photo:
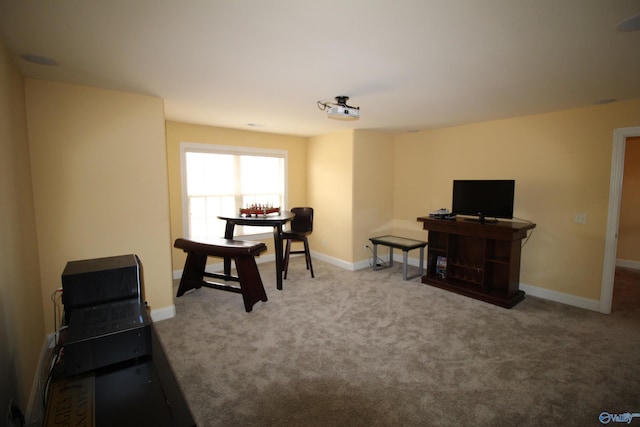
column 365, row 348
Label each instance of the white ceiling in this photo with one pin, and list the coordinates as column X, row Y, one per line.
column 408, row 64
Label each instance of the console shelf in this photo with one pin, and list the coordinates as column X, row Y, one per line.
column 482, row 260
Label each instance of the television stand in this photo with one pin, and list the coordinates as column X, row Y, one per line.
column 479, row 260
column 481, row 219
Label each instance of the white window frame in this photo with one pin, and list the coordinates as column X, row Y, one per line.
column 186, row 147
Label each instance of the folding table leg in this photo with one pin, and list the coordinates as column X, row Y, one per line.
column 405, row 259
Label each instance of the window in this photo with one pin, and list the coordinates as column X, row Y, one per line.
column 219, row 180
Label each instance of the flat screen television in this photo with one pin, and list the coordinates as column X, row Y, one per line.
column 484, row 199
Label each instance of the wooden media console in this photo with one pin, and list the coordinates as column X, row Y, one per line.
column 479, row 260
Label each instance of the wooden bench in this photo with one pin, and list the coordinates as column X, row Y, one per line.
column 242, row 252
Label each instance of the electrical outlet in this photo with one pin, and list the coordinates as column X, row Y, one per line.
column 365, row 248
column 580, row 218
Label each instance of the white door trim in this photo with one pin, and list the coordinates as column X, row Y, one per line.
column 613, row 216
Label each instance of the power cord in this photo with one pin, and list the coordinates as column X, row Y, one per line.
column 56, row 299
column 530, row 233
column 379, row 261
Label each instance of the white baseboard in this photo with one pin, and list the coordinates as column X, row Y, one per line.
column 576, row 301
column 334, row 261
column 568, row 299
column 359, row 265
column 628, row 263
column 573, row 300
column 163, row 313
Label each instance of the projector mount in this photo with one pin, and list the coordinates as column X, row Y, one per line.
column 341, row 101
column 340, row 110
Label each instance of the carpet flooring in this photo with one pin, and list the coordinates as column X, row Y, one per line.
column 365, row 348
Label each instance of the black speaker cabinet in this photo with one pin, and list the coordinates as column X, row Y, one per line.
column 104, row 335
column 101, row 280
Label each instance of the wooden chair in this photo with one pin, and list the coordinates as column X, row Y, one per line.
column 301, row 227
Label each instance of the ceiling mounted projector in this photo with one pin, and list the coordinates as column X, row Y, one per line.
column 340, row 110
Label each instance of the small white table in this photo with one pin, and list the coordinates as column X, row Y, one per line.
column 399, row 243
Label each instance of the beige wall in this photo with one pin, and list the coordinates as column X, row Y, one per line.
column 97, row 171
column 561, row 163
column 330, row 192
column 22, row 332
column 373, row 177
column 296, row 148
column 629, row 229
column 99, row 174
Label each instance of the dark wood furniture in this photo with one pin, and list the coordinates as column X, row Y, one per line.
column 271, row 220
column 399, row 243
column 140, row 392
column 108, row 366
column 482, row 260
column 242, row 252
column 301, row 226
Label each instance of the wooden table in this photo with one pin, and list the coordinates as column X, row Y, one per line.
column 270, row 220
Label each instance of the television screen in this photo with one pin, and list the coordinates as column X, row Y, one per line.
column 484, row 198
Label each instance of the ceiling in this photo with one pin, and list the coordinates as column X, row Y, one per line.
column 408, row 64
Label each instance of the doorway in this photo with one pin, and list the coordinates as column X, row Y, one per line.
column 626, row 291
column 626, row 285
column 613, row 218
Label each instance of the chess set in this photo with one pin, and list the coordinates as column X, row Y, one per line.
column 256, row 210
